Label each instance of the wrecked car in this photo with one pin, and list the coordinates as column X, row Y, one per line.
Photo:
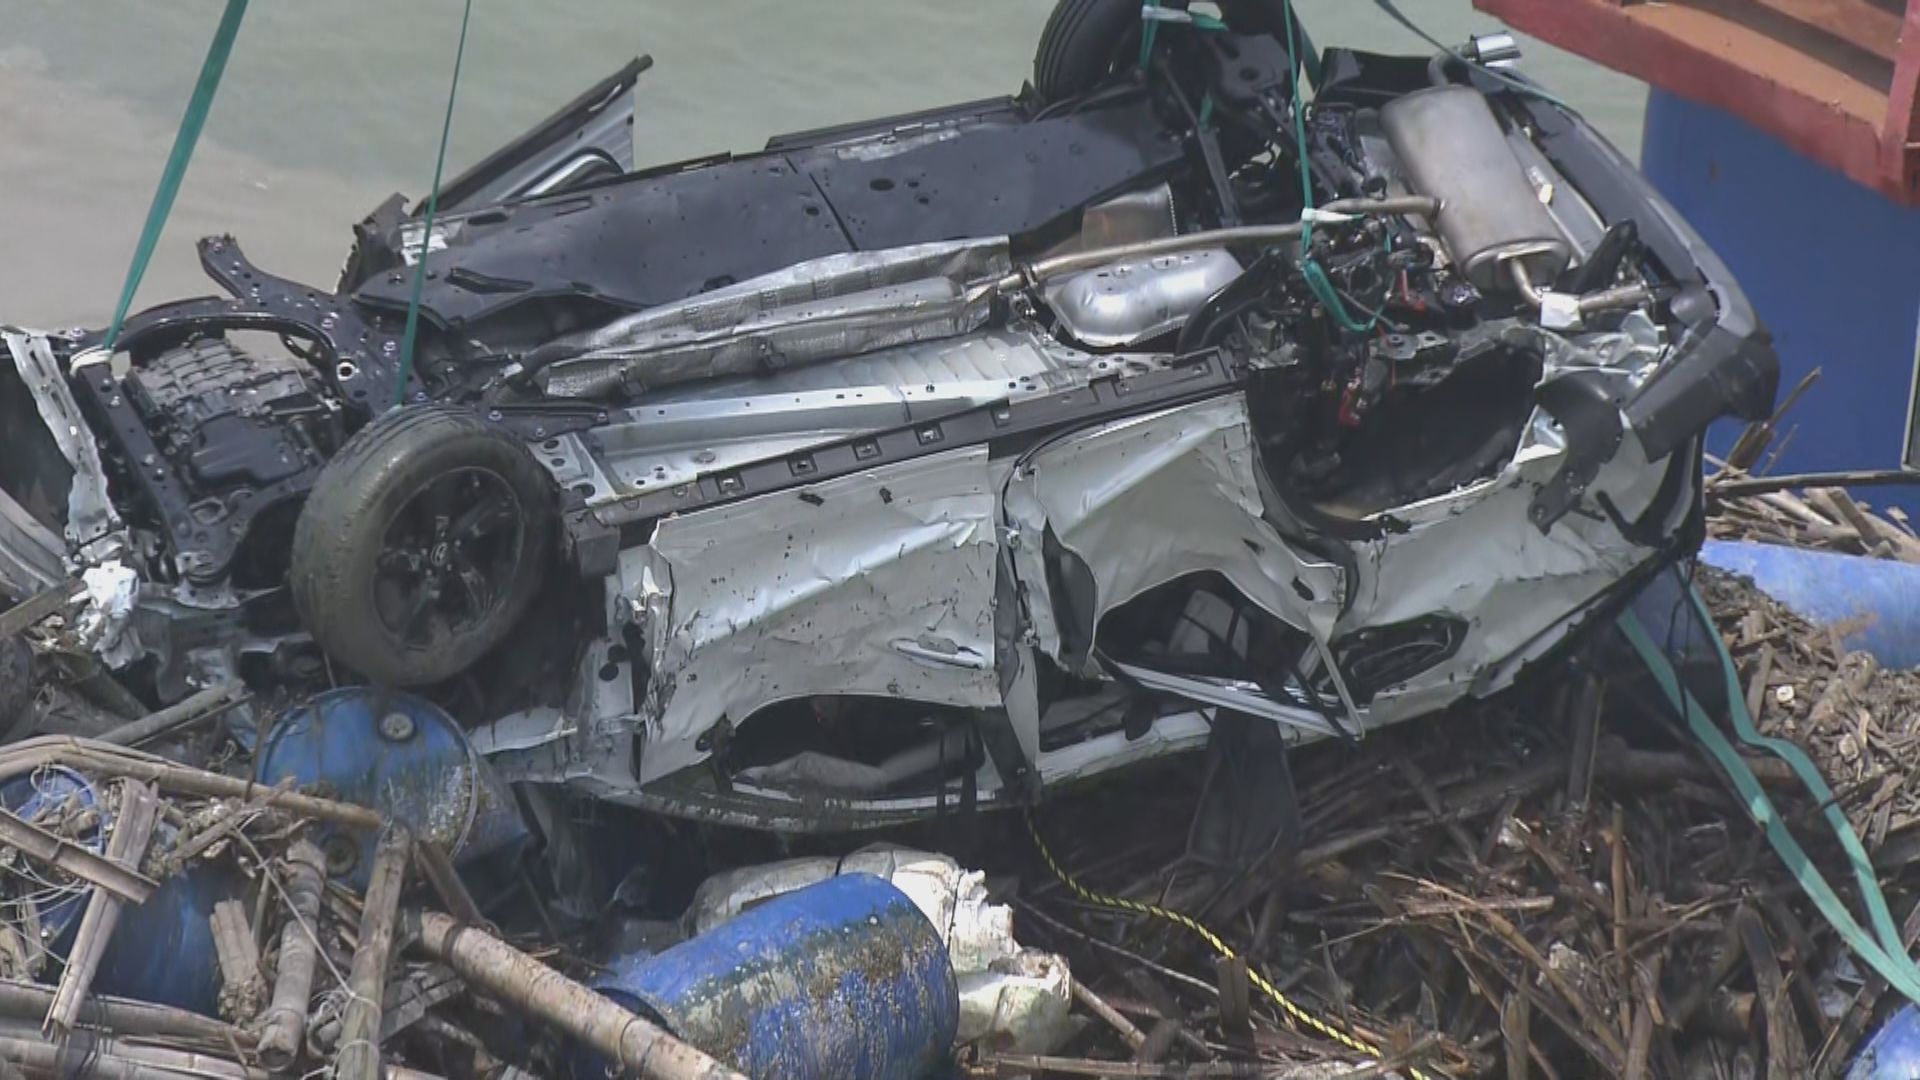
column 926, row 462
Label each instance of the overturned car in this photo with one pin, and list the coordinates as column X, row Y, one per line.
column 926, row 462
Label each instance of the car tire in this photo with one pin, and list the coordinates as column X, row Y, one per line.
column 1079, row 45
column 422, row 544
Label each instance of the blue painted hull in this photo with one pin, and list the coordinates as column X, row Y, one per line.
column 1831, row 267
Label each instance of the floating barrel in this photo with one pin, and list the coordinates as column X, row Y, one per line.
column 400, row 755
column 1874, row 602
column 162, row 951
column 843, row 978
column 1894, row 1051
column 36, row 795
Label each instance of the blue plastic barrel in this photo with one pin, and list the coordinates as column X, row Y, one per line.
column 401, row 755
column 29, row 795
column 1894, row 1051
column 840, row 979
column 1875, row 601
column 162, row 951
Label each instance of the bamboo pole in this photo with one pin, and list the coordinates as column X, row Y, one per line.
column 26, row 1001
column 88, row 755
column 514, row 978
column 108, row 1058
column 139, row 810
column 242, row 989
column 285, row 1027
column 196, row 707
column 358, row 1057
column 57, row 851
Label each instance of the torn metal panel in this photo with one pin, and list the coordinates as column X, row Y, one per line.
column 1172, row 734
column 1145, row 500
column 1519, row 590
column 879, row 583
column 90, row 513
column 1297, row 721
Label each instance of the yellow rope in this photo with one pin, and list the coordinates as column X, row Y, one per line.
column 1294, row 1011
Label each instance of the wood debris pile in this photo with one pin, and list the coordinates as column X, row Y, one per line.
column 203, row 871
column 1819, row 519
column 1554, row 884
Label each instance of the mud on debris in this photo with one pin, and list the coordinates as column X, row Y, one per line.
column 1550, row 883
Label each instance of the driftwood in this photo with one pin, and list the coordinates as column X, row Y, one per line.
column 41, row 605
column 437, row 868
column 1823, row 519
column 1544, row 894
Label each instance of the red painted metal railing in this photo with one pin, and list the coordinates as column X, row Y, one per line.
column 1837, row 80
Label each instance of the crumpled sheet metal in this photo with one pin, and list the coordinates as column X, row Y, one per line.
column 877, row 583
column 1145, row 500
column 90, row 513
column 1513, row 585
column 833, row 306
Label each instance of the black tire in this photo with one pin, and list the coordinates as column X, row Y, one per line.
column 1080, row 44
column 422, row 544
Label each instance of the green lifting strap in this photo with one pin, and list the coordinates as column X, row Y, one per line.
column 183, row 142
column 426, row 225
column 1882, row 948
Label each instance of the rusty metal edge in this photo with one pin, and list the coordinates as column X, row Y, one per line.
column 1882, row 153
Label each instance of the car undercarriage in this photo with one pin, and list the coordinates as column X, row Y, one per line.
column 925, row 463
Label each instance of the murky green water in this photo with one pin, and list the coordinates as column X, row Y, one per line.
column 328, row 107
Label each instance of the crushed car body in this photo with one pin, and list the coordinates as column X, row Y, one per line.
column 925, row 463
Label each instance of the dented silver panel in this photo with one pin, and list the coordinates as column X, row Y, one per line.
column 879, row 583
column 1145, row 500
column 90, row 513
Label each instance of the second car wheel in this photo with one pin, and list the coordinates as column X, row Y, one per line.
column 422, row 544
column 1081, row 43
